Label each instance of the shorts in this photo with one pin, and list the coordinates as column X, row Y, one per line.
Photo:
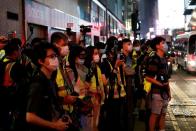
column 158, row 105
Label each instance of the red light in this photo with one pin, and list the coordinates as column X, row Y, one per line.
column 193, row 27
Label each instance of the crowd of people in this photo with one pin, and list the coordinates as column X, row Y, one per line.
column 61, row 85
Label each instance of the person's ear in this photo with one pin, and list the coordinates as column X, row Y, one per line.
column 40, row 62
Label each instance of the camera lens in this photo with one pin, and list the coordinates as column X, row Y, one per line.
column 65, row 118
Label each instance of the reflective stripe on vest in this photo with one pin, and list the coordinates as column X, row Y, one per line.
column 100, row 89
column 2, row 54
column 7, row 80
column 134, row 59
column 122, row 91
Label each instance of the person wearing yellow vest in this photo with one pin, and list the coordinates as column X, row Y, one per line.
column 95, row 79
column 81, row 86
column 43, row 111
column 129, row 70
column 147, row 53
column 139, row 92
column 7, row 85
column 64, row 83
column 157, row 74
column 115, row 91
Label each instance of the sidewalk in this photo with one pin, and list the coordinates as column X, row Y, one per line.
column 171, row 123
column 139, row 125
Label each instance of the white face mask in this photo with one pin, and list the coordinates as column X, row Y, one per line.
column 53, row 63
column 137, row 48
column 81, row 61
column 165, row 48
column 102, row 51
column 64, row 50
column 96, row 58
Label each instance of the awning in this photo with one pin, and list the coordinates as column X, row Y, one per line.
column 188, row 12
column 193, row 2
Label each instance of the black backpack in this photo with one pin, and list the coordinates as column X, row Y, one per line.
column 27, row 74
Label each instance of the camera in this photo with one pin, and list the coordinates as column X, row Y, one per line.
column 68, row 31
column 85, row 29
column 74, row 94
column 65, row 118
column 121, row 56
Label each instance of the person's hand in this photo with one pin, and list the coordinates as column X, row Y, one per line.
column 70, row 99
column 166, row 84
column 119, row 63
column 87, row 85
column 60, row 125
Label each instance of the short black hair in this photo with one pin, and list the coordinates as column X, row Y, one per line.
column 12, row 45
column 89, row 56
column 75, row 51
column 156, row 41
column 110, row 43
column 100, row 45
column 56, row 36
column 125, row 40
column 17, row 41
column 41, row 51
column 136, row 42
column 36, row 40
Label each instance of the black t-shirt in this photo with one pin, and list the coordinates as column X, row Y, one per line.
column 42, row 100
column 156, row 67
column 106, row 68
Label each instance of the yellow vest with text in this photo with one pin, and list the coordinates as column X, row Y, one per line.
column 100, row 88
column 62, row 92
column 122, row 92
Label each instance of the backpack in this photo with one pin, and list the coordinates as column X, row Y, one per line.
column 22, row 89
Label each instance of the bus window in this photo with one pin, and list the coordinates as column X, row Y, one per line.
column 192, row 44
column 184, row 46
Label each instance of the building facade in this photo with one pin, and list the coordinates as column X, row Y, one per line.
column 190, row 14
column 11, row 18
column 148, row 14
column 40, row 18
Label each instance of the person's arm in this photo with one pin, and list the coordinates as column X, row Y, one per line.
column 34, row 103
column 36, row 120
column 105, row 80
column 104, row 69
column 152, row 71
column 154, row 81
column 69, row 99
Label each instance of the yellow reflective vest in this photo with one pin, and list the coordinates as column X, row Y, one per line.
column 97, row 89
column 2, row 54
column 118, row 82
column 62, row 91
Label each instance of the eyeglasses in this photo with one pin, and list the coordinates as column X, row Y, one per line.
column 82, row 56
column 52, row 56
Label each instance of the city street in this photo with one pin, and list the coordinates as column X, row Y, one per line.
column 181, row 114
column 97, row 65
column 182, row 108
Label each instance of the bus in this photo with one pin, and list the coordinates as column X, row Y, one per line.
column 185, row 48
